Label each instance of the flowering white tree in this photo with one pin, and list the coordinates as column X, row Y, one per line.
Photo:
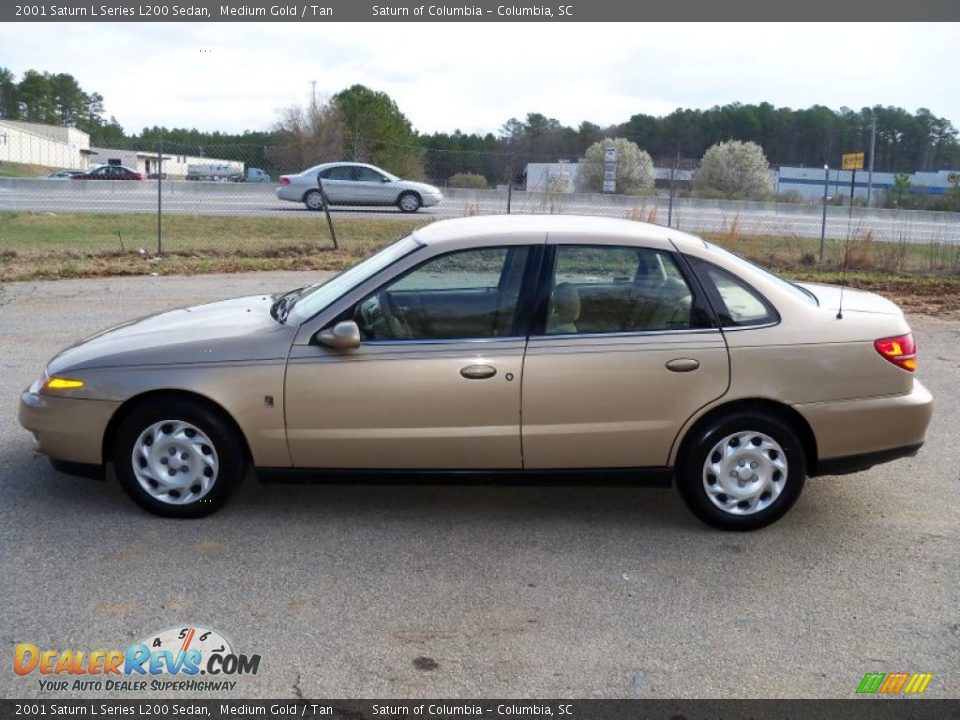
column 634, row 168
column 734, row 169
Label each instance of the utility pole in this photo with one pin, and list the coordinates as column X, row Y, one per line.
column 873, row 147
column 313, row 94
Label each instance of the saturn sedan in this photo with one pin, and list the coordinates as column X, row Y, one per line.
column 356, row 184
column 500, row 346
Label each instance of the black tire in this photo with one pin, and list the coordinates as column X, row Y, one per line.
column 228, row 449
column 313, row 200
column 409, row 202
column 692, row 477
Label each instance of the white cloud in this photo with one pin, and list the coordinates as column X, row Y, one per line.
column 474, row 76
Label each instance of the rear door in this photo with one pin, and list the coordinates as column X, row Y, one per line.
column 339, row 184
column 624, row 353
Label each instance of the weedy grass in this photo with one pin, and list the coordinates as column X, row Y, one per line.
column 923, row 276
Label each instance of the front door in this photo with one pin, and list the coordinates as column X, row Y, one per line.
column 374, row 188
column 626, row 354
column 435, row 383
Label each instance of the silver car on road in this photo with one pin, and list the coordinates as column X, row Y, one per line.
column 348, row 183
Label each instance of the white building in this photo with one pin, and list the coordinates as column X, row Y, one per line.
column 558, row 177
column 561, row 177
column 53, row 146
column 174, row 166
column 810, row 182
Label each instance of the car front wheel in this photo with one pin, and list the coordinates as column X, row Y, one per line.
column 409, row 202
column 178, row 458
column 742, row 471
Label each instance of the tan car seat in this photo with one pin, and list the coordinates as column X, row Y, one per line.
column 564, row 310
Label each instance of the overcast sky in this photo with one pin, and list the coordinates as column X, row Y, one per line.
column 475, row 76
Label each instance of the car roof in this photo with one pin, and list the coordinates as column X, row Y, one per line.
column 444, row 231
column 324, row 166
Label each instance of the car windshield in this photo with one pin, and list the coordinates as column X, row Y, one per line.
column 315, row 298
column 786, row 284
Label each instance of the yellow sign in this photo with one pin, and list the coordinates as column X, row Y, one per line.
column 852, row 161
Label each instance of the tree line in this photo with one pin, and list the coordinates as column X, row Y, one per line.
column 362, row 124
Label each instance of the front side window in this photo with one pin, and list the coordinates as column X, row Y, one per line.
column 614, row 289
column 470, row 294
column 365, row 174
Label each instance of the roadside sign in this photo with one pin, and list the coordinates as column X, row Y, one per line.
column 610, row 169
column 852, row 161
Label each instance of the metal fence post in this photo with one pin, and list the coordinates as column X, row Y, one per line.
column 509, row 194
column 160, row 197
column 823, row 222
column 673, row 172
column 326, row 211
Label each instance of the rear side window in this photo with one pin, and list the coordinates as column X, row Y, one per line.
column 614, row 289
column 737, row 304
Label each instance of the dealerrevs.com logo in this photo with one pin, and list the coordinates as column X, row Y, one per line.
column 189, row 658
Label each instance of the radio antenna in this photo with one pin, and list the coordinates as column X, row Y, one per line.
column 843, row 275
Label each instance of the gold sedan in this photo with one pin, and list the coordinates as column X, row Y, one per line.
column 500, row 346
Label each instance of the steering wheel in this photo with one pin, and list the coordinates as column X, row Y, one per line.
column 396, row 322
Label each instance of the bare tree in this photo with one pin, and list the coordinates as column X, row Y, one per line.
column 308, row 136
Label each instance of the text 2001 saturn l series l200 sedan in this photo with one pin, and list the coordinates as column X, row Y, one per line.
column 498, row 346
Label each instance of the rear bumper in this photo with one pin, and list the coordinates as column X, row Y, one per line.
column 67, row 429
column 872, row 429
column 291, row 193
column 857, row 463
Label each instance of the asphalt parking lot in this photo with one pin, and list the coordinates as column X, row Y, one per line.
column 447, row 591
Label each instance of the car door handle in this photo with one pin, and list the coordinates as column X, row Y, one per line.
column 478, row 372
column 683, row 364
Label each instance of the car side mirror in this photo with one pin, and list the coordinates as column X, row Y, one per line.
column 342, row 336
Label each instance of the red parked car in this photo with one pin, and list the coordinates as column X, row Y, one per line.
column 111, row 172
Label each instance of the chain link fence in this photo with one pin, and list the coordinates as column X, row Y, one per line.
column 220, row 202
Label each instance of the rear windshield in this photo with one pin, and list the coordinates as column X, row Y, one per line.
column 785, row 284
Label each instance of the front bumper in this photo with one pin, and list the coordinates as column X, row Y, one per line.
column 881, row 427
column 67, row 429
column 430, row 199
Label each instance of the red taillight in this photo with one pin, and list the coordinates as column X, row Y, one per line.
column 284, row 180
column 900, row 350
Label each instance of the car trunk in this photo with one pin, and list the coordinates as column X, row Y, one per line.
column 853, row 300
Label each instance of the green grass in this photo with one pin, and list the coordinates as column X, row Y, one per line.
column 55, row 245
column 19, row 170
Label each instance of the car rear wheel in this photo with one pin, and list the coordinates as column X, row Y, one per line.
column 409, row 202
column 742, row 471
column 178, row 458
column 313, row 200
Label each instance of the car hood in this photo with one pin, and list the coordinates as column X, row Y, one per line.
column 853, row 300
column 238, row 330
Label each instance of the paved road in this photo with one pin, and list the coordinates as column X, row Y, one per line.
column 695, row 215
column 512, row 591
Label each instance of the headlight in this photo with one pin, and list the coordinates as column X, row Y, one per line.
column 60, row 383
